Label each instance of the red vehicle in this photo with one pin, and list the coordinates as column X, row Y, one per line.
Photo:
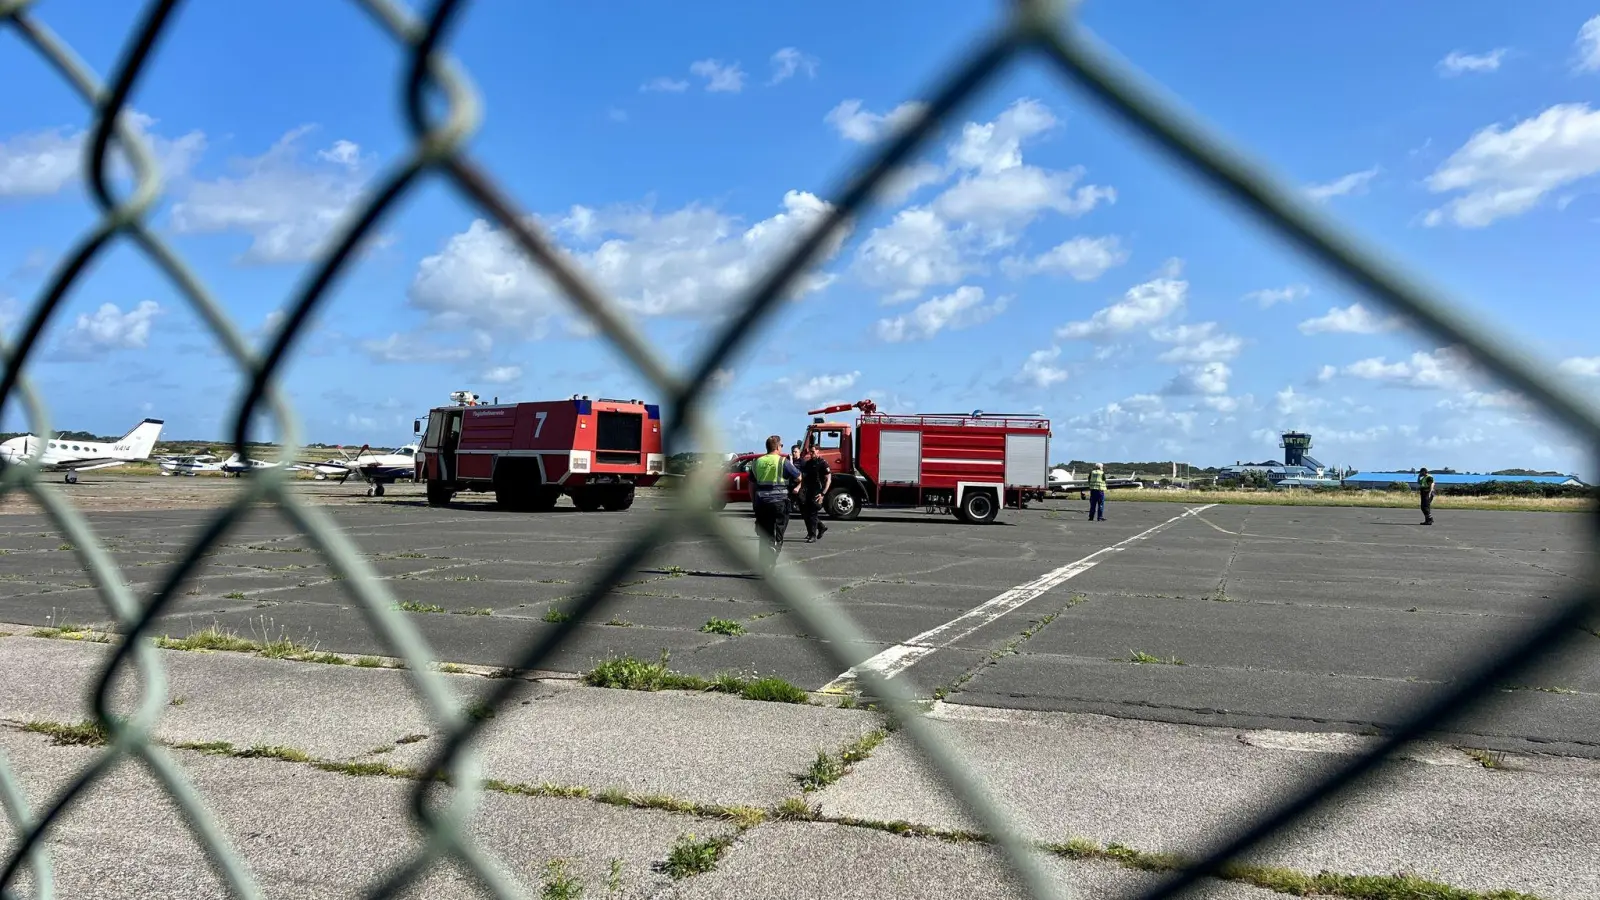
column 967, row 465
column 737, row 481
column 530, row 454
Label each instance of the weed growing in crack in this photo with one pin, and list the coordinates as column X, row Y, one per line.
column 690, row 856
column 480, row 711
column 674, row 571
column 450, row 669
column 828, row 768
column 412, row 739
column 410, row 555
column 722, row 626
column 83, row 734
column 556, row 616
column 614, row 879
column 794, row 809
column 1489, row 759
column 1139, row 656
column 368, row 662
column 774, row 690
column 413, row 606
column 619, row 623
column 558, row 883
column 475, row 611
column 285, row 754
column 74, row 633
column 234, row 595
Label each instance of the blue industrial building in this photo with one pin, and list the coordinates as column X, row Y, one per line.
column 1300, row 469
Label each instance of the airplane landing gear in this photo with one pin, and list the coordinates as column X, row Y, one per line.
column 72, row 478
column 375, row 491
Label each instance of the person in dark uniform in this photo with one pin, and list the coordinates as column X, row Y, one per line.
column 1425, row 489
column 775, row 478
column 815, row 479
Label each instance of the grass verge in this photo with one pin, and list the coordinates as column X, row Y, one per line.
column 80, row 734
column 1378, row 499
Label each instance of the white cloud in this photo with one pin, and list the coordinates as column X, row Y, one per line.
column 1485, row 400
column 1456, row 62
column 1354, row 184
column 1327, row 374
column 1038, row 371
column 864, row 126
column 916, row 251
column 288, row 209
column 1582, row 366
column 1506, row 172
column 1589, row 46
column 721, row 378
column 1201, row 343
column 1445, row 368
column 1203, row 378
column 1143, row 305
column 1141, row 413
column 690, row 262
column 789, row 61
column 960, row 309
column 41, row 163
column 424, row 348
column 719, row 78
column 1293, row 404
column 821, row 386
column 1267, row 297
column 1083, row 258
column 665, row 85
column 1352, row 319
column 109, row 328
column 1222, row 405
column 501, row 374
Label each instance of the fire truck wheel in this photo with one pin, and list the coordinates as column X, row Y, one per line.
column 841, row 504
column 978, row 508
column 618, row 499
column 586, row 499
column 439, row 493
column 543, row 499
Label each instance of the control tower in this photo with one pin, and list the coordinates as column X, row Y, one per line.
column 1295, row 444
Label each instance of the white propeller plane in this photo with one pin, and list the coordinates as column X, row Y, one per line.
column 377, row 469
column 72, row 457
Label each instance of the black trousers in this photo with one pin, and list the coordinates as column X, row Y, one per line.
column 1427, row 507
column 772, row 520
column 811, row 511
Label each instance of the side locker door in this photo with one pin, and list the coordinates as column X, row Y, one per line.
column 448, row 444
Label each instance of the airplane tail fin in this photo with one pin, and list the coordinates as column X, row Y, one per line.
column 142, row 439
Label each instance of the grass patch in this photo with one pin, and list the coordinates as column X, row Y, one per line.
column 722, row 626
column 368, row 662
column 450, row 668
column 212, row 638
column 773, row 690
column 475, row 611
column 411, row 555
column 74, row 633
column 1139, row 656
column 552, row 581
column 536, row 790
column 366, row 769
column 674, row 571
column 630, row 673
column 412, row 739
column 794, row 809
column 415, row 607
column 1378, row 499
column 81, row 734
column 690, row 856
column 828, row 768
column 213, row 748
column 234, row 595
column 556, row 616
column 620, row 623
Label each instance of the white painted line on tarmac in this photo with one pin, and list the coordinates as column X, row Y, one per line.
column 900, row 657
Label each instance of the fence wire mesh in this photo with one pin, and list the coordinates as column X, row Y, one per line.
column 1024, row 29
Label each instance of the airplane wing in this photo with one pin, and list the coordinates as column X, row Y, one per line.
column 84, row 465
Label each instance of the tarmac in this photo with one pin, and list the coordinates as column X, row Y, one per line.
column 1290, row 618
column 1145, row 683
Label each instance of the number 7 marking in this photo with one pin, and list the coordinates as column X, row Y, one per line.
column 540, row 417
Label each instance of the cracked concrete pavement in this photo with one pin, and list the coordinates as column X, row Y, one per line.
column 1529, row 825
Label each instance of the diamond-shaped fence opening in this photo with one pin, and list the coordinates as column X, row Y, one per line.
column 1036, row 31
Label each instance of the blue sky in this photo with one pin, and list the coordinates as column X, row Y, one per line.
column 1037, row 258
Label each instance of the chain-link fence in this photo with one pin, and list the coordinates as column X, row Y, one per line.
column 1037, row 30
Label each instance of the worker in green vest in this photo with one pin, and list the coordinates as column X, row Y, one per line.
column 1097, row 493
column 776, row 477
column 1425, row 488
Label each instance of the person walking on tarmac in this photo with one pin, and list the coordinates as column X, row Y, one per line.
column 1097, row 493
column 776, row 477
column 815, row 479
column 1425, row 488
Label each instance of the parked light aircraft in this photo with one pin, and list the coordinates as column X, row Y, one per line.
column 236, row 466
column 190, row 465
column 1066, row 480
column 73, row 457
column 377, row 469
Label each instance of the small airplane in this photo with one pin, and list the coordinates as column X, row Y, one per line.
column 190, row 465
column 72, row 457
column 377, row 469
column 236, row 466
column 1066, row 480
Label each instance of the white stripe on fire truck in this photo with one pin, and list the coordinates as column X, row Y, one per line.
column 900, row 657
column 967, row 462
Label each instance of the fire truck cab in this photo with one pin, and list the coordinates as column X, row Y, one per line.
column 531, row 454
column 969, row 465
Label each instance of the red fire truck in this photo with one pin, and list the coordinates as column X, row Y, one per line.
column 530, row 454
column 966, row 464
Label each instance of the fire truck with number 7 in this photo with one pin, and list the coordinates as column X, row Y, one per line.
column 965, row 464
column 531, row 454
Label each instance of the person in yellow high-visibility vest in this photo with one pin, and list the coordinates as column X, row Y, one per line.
column 1097, row 493
column 775, row 477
